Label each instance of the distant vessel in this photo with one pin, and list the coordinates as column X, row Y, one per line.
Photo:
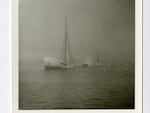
column 66, row 61
column 97, row 60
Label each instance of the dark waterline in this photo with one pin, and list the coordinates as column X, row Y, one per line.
column 77, row 88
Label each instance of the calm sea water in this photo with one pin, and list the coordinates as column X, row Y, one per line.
column 108, row 87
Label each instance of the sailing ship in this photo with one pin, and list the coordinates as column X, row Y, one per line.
column 66, row 60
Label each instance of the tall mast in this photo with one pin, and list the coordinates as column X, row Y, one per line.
column 66, row 40
column 66, row 35
column 97, row 57
column 67, row 43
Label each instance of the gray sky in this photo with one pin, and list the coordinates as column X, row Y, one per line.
column 106, row 26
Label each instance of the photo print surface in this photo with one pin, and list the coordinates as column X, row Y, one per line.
column 76, row 54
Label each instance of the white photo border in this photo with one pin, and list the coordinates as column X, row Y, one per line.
column 138, row 67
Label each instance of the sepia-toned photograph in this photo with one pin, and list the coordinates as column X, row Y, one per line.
column 76, row 54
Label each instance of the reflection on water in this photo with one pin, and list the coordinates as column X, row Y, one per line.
column 78, row 88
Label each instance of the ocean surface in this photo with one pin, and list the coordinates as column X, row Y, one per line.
column 77, row 88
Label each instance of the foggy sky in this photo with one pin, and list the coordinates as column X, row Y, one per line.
column 106, row 26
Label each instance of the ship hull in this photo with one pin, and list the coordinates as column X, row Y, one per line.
column 48, row 67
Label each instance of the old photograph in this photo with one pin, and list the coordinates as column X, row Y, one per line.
column 76, row 54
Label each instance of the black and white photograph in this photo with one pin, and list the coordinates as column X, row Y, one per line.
column 76, row 54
